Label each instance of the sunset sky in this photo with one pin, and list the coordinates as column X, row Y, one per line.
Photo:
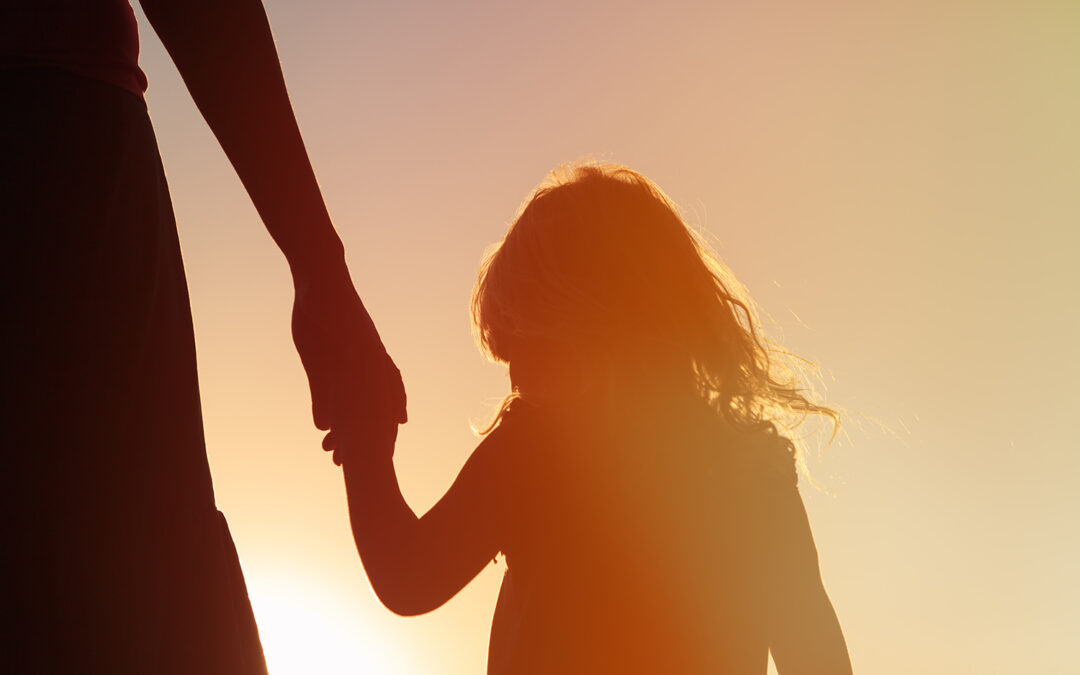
column 897, row 183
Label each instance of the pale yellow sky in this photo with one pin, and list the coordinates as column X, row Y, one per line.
column 895, row 182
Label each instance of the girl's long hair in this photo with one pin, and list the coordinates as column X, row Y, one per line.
column 600, row 267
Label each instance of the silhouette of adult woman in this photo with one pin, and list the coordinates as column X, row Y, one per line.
column 119, row 561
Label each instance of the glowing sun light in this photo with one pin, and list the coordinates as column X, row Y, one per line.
column 305, row 629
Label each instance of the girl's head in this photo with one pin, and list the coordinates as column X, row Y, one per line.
column 599, row 284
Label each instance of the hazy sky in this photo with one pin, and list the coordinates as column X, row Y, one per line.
column 897, row 183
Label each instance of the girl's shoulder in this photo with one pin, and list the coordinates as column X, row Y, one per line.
column 516, row 417
column 519, row 425
column 775, row 455
column 756, row 457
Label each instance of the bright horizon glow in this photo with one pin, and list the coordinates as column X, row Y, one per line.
column 307, row 629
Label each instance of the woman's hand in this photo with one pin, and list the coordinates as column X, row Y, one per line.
column 349, row 372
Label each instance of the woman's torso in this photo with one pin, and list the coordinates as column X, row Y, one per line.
column 93, row 38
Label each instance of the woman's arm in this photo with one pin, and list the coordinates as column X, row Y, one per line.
column 417, row 564
column 226, row 55
column 806, row 635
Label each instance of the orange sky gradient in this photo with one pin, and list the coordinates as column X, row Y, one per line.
column 895, row 182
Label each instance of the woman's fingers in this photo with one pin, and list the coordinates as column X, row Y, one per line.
column 375, row 439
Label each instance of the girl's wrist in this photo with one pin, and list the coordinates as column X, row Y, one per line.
column 363, row 465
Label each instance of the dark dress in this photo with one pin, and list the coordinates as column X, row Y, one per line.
column 639, row 542
column 116, row 558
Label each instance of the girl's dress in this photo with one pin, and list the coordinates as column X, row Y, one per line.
column 640, row 543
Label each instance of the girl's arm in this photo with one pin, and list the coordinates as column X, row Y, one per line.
column 806, row 638
column 417, row 564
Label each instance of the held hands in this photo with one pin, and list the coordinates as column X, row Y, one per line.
column 354, row 383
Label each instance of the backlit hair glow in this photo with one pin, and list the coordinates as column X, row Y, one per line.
column 600, row 263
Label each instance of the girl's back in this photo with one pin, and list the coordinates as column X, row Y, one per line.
column 640, row 539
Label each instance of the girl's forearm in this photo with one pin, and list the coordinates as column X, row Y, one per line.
column 385, row 530
column 417, row 564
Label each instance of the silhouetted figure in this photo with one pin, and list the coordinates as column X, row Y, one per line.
column 635, row 480
column 119, row 561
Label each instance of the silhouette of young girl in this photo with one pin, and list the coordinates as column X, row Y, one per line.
column 635, row 480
